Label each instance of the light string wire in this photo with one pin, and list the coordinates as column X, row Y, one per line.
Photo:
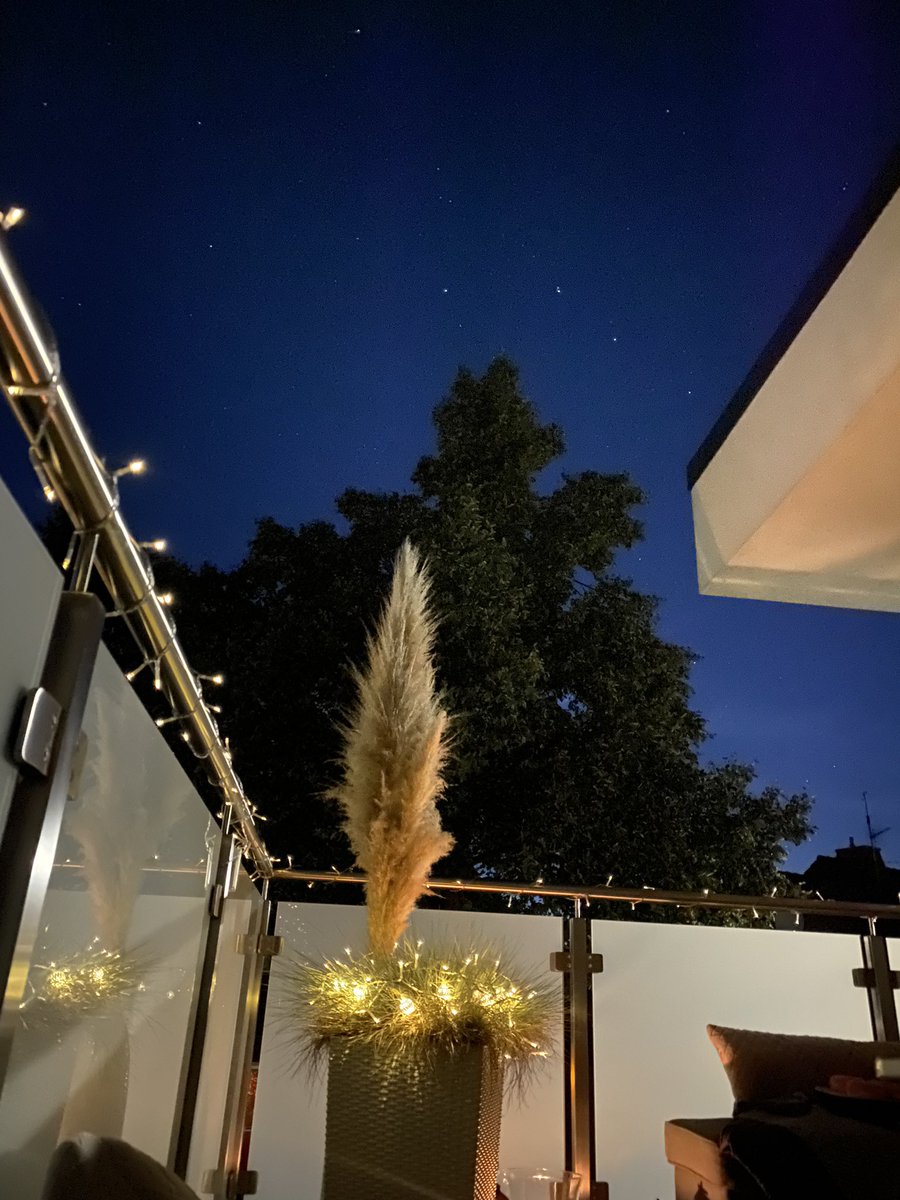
column 51, row 478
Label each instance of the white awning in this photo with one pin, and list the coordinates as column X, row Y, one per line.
column 796, row 493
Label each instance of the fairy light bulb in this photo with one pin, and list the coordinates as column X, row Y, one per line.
column 12, row 217
column 137, row 466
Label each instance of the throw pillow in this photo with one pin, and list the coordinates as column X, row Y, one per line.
column 767, row 1066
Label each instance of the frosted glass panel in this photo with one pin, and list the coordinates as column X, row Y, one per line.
column 30, row 584
column 103, row 1032
column 660, row 987
column 287, row 1146
column 226, row 1030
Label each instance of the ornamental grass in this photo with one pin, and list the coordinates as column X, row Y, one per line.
column 419, row 1002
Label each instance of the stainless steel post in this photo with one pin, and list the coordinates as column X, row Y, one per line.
column 186, row 1102
column 231, row 1177
column 880, row 981
column 38, row 804
column 578, row 965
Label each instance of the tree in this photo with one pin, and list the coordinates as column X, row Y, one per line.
column 576, row 751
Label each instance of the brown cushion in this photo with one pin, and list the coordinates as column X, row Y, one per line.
column 95, row 1168
column 694, row 1144
column 763, row 1066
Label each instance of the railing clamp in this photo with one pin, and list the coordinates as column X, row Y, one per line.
column 561, row 960
column 230, row 1184
column 38, row 727
column 266, row 945
column 865, row 977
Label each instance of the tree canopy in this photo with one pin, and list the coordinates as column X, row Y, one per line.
column 576, row 750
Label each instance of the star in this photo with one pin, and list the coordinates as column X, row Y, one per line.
column 558, row 290
column 445, row 290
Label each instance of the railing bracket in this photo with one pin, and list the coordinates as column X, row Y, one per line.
column 266, row 945
column 37, row 730
column 865, row 977
column 231, row 1185
column 560, row 960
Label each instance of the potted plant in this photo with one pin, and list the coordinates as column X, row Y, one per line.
column 419, row 1040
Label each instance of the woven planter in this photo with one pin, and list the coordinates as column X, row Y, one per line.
column 403, row 1130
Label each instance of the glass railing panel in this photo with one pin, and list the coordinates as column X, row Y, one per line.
column 660, row 987
column 226, row 1031
column 287, row 1146
column 30, row 584
column 103, row 1032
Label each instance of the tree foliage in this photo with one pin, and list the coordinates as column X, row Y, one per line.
column 576, row 751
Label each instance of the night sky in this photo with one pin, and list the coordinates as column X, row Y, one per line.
column 268, row 233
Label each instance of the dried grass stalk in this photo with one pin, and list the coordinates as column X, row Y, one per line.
column 394, row 752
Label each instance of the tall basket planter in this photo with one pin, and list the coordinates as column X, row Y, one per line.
column 404, row 1128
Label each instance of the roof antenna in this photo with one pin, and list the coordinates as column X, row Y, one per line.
column 874, row 834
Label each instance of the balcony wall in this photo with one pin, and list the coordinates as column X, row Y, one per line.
column 660, row 987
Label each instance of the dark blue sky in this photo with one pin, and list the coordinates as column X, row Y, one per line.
column 267, row 234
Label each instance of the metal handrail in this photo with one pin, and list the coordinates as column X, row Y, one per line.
column 622, row 895
column 61, row 451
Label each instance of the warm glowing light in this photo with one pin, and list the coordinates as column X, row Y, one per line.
column 12, row 217
column 422, row 1001
column 159, row 545
column 137, row 466
column 81, row 984
column 166, row 599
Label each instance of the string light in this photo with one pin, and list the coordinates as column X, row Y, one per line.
column 82, row 984
column 423, row 1001
column 218, row 679
column 166, row 599
column 49, row 391
column 11, row 217
column 137, row 466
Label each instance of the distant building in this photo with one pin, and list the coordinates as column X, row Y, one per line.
column 851, row 873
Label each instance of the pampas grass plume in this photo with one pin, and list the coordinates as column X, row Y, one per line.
column 393, row 755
